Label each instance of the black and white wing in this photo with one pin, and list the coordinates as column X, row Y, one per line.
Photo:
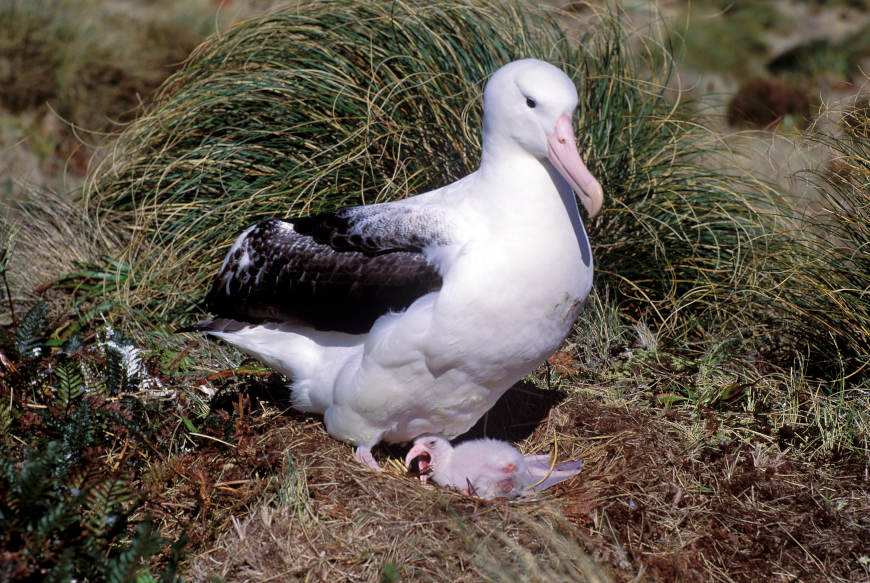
column 332, row 271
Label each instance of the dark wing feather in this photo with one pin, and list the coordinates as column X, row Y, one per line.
column 333, row 271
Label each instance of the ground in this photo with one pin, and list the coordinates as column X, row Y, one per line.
column 664, row 496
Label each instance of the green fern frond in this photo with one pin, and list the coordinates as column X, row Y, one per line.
column 125, row 567
column 116, row 380
column 63, row 570
column 69, row 382
column 103, row 505
column 57, row 519
column 31, row 332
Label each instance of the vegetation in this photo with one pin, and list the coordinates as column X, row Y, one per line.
column 832, row 289
column 733, row 44
column 70, row 473
column 396, row 122
column 716, row 386
column 86, row 57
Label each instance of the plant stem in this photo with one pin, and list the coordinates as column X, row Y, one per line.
column 9, row 299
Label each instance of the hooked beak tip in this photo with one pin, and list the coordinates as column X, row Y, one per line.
column 593, row 200
column 563, row 154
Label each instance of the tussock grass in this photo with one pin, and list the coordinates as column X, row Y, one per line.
column 58, row 235
column 338, row 103
column 827, row 300
column 343, row 103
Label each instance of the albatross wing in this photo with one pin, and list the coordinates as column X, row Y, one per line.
column 337, row 271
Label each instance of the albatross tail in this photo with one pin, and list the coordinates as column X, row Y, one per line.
column 312, row 359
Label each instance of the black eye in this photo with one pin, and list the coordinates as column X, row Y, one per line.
column 530, row 102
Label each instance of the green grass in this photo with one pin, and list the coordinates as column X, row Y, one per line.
column 725, row 37
column 305, row 111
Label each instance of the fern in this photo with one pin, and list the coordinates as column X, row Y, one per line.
column 30, row 333
column 29, row 486
column 69, row 381
column 74, row 523
column 73, row 344
column 64, row 565
column 102, row 505
column 77, row 430
column 57, row 518
column 62, row 518
column 116, row 372
column 125, row 566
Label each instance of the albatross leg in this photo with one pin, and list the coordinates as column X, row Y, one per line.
column 364, row 455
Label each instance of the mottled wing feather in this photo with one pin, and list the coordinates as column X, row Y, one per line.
column 333, row 271
column 375, row 229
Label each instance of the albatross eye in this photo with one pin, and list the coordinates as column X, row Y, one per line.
column 530, row 102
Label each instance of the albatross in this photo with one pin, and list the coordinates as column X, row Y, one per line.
column 486, row 468
column 412, row 317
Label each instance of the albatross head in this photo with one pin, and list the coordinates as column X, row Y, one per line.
column 431, row 452
column 528, row 105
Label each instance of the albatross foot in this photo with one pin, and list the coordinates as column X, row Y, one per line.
column 364, row 455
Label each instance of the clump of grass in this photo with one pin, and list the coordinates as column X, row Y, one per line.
column 339, row 103
column 56, row 246
column 830, row 291
column 348, row 103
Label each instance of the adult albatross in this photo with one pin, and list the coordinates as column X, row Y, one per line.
column 413, row 317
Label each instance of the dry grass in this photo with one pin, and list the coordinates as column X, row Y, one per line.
column 665, row 496
column 54, row 237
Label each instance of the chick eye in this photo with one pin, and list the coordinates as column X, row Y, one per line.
column 530, row 102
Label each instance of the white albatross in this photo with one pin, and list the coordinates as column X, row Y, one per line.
column 413, row 317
